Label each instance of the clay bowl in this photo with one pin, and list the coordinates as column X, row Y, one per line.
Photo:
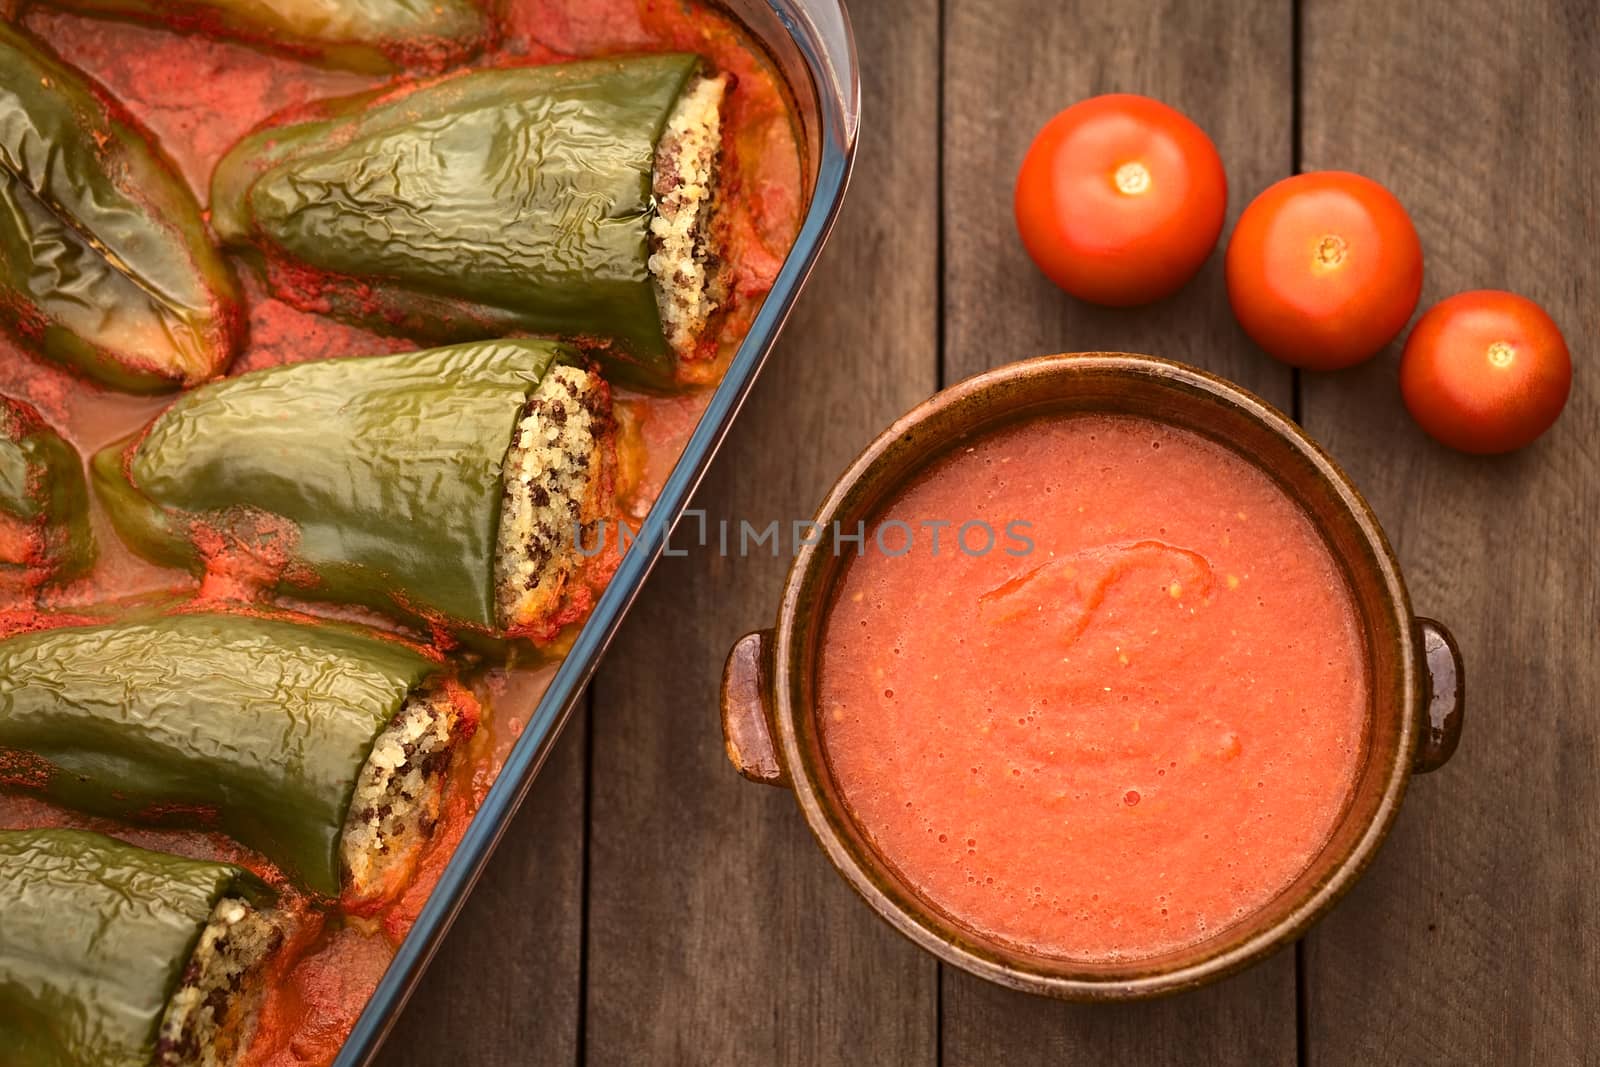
column 1413, row 723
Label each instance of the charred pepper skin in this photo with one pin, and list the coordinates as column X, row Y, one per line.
column 382, row 474
column 44, row 502
column 95, row 938
column 257, row 726
column 105, row 262
column 371, row 36
column 491, row 203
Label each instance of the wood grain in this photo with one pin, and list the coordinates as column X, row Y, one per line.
column 505, row 987
column 717, row 931
column 1472, row 939
column 1008, row 68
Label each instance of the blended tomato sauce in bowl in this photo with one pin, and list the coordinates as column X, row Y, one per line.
column 1098, row 679
column 1130, row 722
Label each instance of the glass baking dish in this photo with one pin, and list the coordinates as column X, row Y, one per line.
column 811, row 43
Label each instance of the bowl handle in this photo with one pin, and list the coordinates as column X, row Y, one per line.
column 746, row 714
column 1444, row 699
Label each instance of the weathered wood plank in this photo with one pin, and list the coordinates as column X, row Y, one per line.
column 717, row 932
column 505, row 986
column 1008, row 68
column 1249, row 1019
column 1472, row 938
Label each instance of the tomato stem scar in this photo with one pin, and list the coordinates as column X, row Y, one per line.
column 1331, row 250
column 1133, row 178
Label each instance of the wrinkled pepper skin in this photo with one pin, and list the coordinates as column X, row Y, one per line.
column 257, row 726
column 44, row 502
column 495, row 202
column 372, row 36
column 105, row 262
column 379, row 476
column 94, row 937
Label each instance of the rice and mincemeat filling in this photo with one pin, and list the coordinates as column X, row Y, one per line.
column 208, row 1020
column 689, row 280
column 400, row 793
column 554, row 494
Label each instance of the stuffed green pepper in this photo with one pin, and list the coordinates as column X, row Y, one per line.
column 460, row 486
column 571, row 200
column 325, row 748
column 375, row 36
column 44, row 503
column 116, row 956
column 105, row 261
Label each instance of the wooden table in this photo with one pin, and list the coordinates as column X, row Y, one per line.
column 649, row 906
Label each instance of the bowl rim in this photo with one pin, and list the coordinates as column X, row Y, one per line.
column 786, row 667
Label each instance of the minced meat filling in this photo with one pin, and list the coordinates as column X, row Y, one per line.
column 207, row 1021
column 554, row 481
column 688, row 276
column 400, row 792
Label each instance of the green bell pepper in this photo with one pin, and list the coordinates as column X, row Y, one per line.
column 379, row 477
column 105, row 263
column 44, row 503
column 496, row 202
column 95, row 935
column 260, row 726
column 375, row 36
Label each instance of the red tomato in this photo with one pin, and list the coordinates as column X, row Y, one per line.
column 1486, row 371
column 1120, row 199
column 1324, row 269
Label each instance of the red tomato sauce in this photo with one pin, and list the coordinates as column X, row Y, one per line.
column 197, row 97
column 1123, row 741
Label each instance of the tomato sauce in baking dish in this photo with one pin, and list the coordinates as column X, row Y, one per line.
column 197, row 97
column 1120, row 742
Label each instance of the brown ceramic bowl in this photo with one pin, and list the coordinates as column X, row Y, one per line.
column 1413, row 723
